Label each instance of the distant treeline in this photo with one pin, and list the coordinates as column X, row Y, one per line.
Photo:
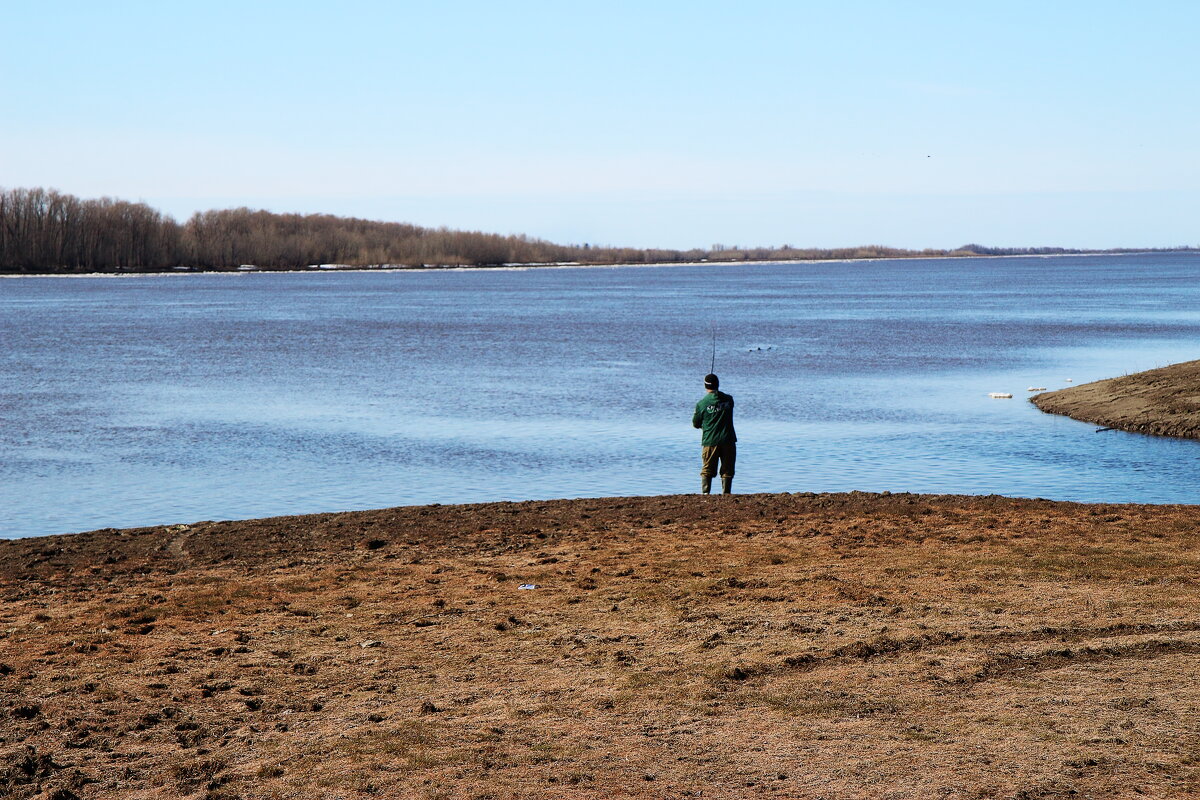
column 42, row 230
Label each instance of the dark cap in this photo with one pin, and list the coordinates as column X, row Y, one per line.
column 711, row 381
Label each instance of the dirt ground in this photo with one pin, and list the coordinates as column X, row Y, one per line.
column 1164, row 402
column 776, row 646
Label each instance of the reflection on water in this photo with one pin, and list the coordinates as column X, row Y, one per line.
column 163, row 399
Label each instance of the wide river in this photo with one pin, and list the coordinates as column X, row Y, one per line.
column 164, row 399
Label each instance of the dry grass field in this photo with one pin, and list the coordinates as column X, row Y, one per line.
column 775, row 646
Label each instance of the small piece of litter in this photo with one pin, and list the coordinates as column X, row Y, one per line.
column 528, row 586
column 371, row 643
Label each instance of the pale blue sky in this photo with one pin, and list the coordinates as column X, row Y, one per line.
column 675, row 124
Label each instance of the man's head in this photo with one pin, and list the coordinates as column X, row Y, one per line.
column 711, row 382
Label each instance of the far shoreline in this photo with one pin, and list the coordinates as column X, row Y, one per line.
column 322, row 270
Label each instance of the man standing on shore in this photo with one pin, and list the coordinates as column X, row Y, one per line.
column 714, row 417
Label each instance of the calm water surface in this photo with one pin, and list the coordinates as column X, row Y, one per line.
column 147, row 400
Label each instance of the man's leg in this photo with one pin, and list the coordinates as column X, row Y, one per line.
column 708, row 467
column 728, row 458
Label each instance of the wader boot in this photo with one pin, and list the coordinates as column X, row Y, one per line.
column 705, row 484
column 726, row 484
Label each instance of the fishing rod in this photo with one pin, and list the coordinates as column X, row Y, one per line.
column 712, row 367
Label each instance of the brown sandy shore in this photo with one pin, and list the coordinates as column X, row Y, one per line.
column 1164, row 402
column 788, row 646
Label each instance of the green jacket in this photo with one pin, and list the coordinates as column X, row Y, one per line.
column 714, row 416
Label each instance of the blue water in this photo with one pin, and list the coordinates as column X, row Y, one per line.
column 163, row 399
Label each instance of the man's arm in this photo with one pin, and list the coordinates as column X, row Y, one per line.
column 698, row 416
